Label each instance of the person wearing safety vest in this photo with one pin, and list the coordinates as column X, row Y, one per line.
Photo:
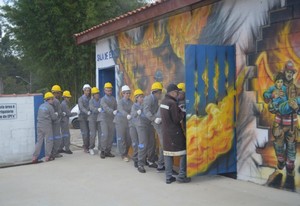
column 94, row 122
column 56, row 91
column 64, row 123
column 84, row 112
column 123, row 122
column 109, row 106
column 46, row 116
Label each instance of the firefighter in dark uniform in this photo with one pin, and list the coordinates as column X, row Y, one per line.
column 174, row 141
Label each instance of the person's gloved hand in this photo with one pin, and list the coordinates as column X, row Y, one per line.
column 64, row 114
column 100, row 109
column 56, row 113
column 115, row 112
column 128, row 116
column 89, row 113
column 157, row 120
column 139, row 112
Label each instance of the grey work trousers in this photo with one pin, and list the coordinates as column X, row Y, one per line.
column 151, row 151
column 145, row 147
column 123, row 138
column 135, row 142
column 57, row 138
column 95, row 129
column 43, row 134
column 85, row 133
column 107, row 136
column 169, row 166
column 65, row 133
column 158, row 130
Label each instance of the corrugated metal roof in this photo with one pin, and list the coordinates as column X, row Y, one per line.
column 132, row 18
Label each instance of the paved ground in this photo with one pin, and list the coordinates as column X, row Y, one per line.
column 82, row 179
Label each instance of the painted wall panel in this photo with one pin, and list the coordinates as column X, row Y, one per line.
column 265, row 40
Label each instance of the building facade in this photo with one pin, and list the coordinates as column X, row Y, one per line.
column 229, row 54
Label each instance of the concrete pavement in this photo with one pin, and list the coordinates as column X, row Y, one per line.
column 82, row 179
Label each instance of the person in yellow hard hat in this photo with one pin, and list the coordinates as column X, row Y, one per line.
column 109, row 106
column 151, row 111
column 56, row 90
column 84, row 112
column 64, row 125
column 46, row 116
column 123, row 122
column 139, row 131
column 94, row 121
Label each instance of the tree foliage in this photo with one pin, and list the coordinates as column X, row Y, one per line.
column 43, row 35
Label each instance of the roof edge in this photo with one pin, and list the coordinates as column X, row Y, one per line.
column 133, row 18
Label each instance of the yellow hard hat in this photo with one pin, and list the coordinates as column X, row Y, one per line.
column 108, row 85
column 156, row 86
column 67, row 94
column 95, row 90
column 181, row 86
column 48, row 95
column 138, row 92
column 56, row 88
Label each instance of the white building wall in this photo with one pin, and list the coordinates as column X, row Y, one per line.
column 17, row 128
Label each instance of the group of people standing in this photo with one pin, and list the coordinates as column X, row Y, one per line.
column 135, row 123
column 53, row 125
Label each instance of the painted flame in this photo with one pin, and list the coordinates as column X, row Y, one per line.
column 210, row 136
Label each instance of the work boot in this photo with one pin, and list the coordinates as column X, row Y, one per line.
column 169, row 181
column 108, row 154
column 34, row 161
column 68, row 152
column 183, row 179
column 160, row 169
column 92, row 152
column 135, row 164
column 47, row 159
column 152, row 164
column 125, row 159
column 58, row 155
column 141, row 169
column 102, row 154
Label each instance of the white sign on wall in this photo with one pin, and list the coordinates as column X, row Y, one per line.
column 8, row 111
column 105, row 53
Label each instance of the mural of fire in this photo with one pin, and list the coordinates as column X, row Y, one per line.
column 156, row 52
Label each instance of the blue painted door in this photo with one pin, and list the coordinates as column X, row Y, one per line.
column 210, row 103
column 107, row 75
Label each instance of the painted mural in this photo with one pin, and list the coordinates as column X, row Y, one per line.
column 267, row 64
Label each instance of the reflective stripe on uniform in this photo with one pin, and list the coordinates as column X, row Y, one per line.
column 50, row 138
column 164, row 106
column 177, row 153
column 57, row 137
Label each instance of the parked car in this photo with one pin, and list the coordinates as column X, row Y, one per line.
column 73, row 121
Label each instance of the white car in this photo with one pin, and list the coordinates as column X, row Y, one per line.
column 74, row 120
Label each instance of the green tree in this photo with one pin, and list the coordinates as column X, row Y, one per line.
column 43, row 33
